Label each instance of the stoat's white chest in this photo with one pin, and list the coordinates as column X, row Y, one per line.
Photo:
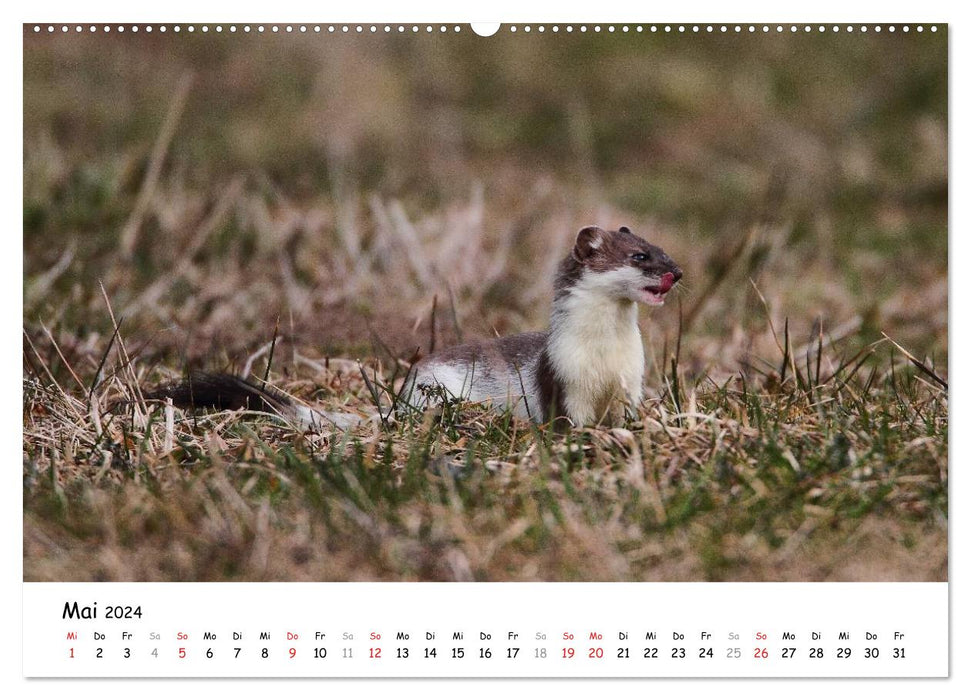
column 596, row 351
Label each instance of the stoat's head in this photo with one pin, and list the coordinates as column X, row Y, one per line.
column 621, row 265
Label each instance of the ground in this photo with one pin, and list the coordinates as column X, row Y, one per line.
column 334, row 206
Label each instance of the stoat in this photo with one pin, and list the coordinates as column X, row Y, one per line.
column 231, row 393
column 590, row 358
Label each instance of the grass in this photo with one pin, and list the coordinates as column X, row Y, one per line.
column 239, row 205
column 750, row 480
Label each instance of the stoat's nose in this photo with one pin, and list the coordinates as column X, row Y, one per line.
column 676, row 274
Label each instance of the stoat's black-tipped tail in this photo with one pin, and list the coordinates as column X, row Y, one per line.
column 227, row 392
column 224, row 392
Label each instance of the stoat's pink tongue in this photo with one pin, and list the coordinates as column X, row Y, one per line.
column 667, row 281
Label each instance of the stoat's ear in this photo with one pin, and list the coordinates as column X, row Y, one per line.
column 624, row 229
column 589, row 240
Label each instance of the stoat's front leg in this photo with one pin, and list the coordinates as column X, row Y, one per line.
column 579, row 406
column 633, row 392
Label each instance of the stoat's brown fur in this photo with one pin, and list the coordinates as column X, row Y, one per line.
column 228, row 392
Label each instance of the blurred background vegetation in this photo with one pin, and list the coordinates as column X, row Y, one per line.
column 823, row 155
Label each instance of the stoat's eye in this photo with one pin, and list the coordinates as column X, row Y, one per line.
column 640, row 257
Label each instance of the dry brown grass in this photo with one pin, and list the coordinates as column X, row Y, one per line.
column 341, row 190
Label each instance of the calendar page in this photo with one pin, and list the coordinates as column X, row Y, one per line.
column 513, row 350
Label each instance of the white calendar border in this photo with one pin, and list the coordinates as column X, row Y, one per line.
column 543, row 622
column 509, row 10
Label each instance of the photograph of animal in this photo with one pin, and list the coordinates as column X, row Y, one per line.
column 560, row 305
column 591, row 356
